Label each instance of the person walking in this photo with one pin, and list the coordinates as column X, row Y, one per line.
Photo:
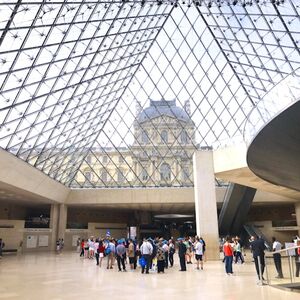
column 277, row 257
column 146, row 252
column 258, row 251
column 82, row 248
column 182, row 254
column 238, row 251
column 228, row 252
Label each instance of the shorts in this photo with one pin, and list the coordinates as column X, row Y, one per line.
column 131, row 260
column 101, row 254
column 199, row 257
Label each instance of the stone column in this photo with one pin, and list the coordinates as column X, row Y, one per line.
column 205, row 202
column 62, row 223
column 297, row 210
column 54, row 214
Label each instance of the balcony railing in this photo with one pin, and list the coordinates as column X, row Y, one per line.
column 284, row 274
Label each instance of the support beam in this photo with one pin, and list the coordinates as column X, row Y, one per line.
column 205, row 202
column 54, row 214
column 62, row 222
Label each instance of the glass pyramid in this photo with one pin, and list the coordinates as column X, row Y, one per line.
column 121, row 93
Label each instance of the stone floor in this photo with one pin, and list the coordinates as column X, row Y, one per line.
column 66, row 276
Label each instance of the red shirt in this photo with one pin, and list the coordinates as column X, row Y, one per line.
column 227, row 249
column 101, row 249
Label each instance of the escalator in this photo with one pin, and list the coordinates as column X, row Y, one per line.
column 236, row 205
column 252, row 230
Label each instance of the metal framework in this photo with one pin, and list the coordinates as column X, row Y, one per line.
column 73, row 73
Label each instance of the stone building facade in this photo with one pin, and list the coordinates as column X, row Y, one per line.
column 161, row 154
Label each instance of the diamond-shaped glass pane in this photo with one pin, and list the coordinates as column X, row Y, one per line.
column 121, row 93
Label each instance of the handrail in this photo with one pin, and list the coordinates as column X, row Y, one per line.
column 286, row 249
column 278, row 98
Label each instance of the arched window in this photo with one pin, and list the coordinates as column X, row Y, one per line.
column 164, row 136
column 121, row 177
column 145, row 138
column 104, row 175
column 184, row 137
column 88, row 175
column 144, row 175
column 185, row 174
column 165, row 172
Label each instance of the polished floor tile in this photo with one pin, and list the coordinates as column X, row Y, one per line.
column 47, row 276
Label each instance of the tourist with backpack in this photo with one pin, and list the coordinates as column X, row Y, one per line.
column 110, row 251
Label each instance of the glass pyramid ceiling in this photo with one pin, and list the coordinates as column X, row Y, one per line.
column 121, row 93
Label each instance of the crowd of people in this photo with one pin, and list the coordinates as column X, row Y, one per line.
column 158, row 254
column 155, row 254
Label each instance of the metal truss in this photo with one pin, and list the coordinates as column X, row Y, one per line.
column 72, row 74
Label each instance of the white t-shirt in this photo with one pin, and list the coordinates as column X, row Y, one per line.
column 91, row 245
column 165, row 248
column 277, row 246
column 199, row 248
column 146, row 248
column 96, row 246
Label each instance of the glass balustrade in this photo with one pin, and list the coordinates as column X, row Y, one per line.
column 286, row 273
column 279, row 98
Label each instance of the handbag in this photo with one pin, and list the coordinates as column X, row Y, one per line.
column 142, row 262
